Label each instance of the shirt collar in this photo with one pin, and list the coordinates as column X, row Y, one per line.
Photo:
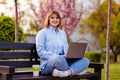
column 53, row 29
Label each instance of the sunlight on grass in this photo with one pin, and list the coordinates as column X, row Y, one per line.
column 114, row 71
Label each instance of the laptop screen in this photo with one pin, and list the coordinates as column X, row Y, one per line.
column 76, row 50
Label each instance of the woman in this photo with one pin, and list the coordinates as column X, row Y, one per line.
column 52, row 46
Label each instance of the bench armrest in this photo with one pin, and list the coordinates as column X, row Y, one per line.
column 96, row 65
column 7, row 70
column 97, row 68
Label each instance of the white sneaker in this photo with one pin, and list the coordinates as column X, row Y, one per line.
column 58, row 73
column 83, row 72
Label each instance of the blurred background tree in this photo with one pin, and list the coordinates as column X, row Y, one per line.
column 7, row 29
column 97, row 23
column 70, row 11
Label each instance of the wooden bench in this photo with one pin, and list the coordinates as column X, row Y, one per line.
column 17, row 58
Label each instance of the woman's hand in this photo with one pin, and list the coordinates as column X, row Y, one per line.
column 65, row 55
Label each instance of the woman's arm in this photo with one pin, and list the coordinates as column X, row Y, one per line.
column 40, row 46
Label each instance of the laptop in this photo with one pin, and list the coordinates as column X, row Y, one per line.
column 76, row 50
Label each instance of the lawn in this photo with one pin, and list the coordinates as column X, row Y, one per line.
column 114, row 71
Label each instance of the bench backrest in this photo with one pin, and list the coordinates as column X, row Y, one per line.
column 18, row 55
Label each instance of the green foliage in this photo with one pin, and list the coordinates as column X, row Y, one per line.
column 98, row 57
column 93, row 56
column 115, row 32
column 103, row 57
column 97, row 21
column 7, row 29
column 32, row 30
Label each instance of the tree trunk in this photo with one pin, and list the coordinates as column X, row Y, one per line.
column 115, row 57
column 16, row 22
column 108, row 42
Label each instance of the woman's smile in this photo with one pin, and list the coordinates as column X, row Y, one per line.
column 54, row 20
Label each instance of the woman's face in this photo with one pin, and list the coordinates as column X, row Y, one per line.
column 54, row 20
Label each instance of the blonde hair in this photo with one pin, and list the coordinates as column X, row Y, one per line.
column 47, row 23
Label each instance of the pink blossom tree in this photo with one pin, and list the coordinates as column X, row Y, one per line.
column 70, row 11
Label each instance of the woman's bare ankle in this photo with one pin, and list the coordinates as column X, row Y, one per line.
column 69, row 72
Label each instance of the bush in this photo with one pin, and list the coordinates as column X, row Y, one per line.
column 93, row 56
column 7, row 29
column 98, row 57
column 103, row 57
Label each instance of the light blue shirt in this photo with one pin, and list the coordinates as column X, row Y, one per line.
column 50, row 42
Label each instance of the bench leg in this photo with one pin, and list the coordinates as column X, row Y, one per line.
column 99, row 71
column 6, row 77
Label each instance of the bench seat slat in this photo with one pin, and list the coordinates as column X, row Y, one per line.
column 15, row 55
column 19, row 64
column 16, row 46
column 30, row 76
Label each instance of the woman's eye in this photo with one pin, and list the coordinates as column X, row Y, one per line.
column 57, row 17
column 54, row 18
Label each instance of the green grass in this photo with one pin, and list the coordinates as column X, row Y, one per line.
column 114, row 71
